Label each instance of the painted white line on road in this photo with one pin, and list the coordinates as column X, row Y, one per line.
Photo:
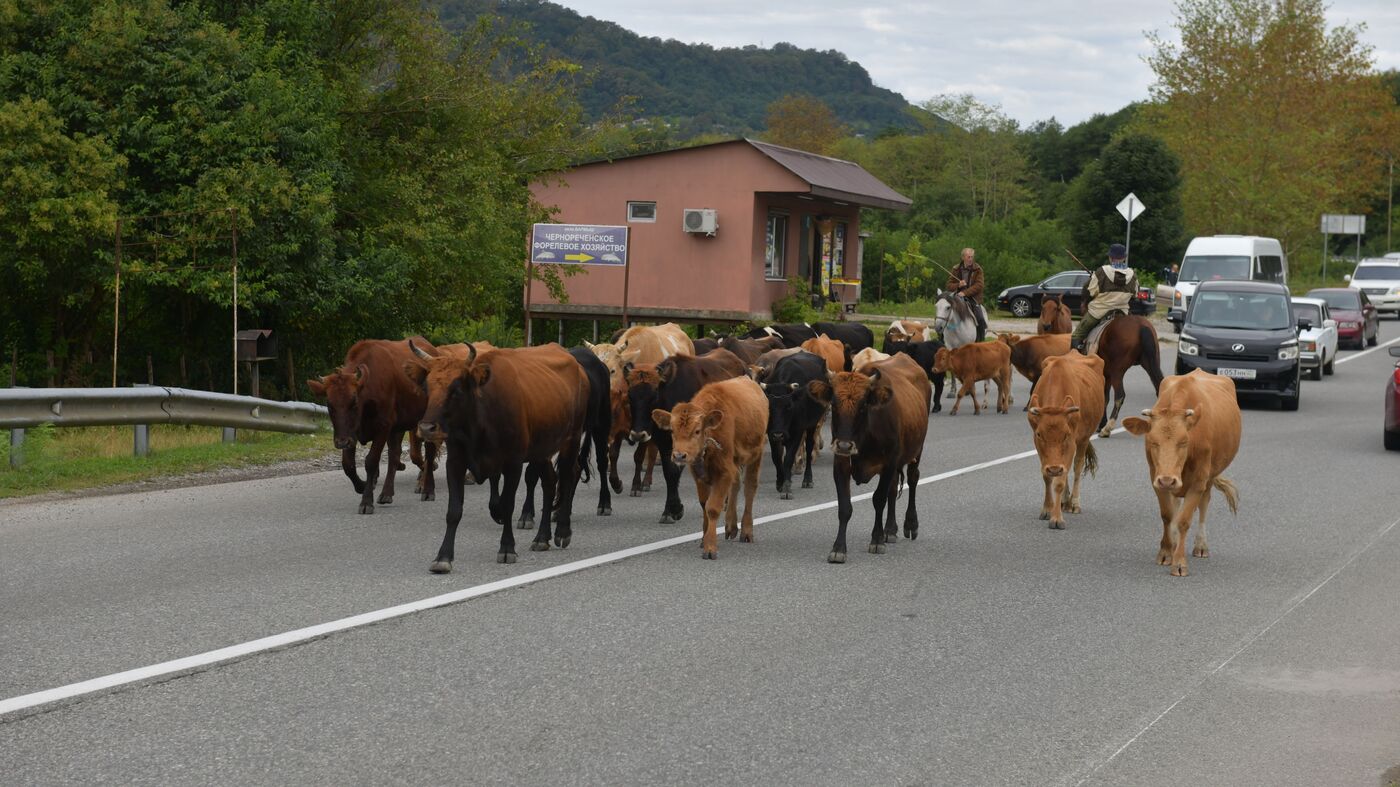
column 1354, row 356
column 1298, row 602
column 285, row 639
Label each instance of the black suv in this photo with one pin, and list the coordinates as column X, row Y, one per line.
column 1243, row 330
column 1024, row 301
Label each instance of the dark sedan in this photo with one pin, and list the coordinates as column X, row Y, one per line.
column 1358, row 323
column 1024, row 301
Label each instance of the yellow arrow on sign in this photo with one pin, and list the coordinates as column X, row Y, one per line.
column 578, row 257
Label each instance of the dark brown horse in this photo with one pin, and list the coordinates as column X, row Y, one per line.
column 1054, row 316
column 1127, row 341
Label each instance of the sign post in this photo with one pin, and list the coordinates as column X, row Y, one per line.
column 1339, row 224
column 1131, row 207
column 580, row 244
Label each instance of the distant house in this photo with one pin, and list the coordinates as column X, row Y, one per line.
column 777, row 213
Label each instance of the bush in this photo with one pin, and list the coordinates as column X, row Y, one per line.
column 796, row 306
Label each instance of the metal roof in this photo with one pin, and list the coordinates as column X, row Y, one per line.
column 834, row 178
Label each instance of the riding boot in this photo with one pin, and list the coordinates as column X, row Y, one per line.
column 981, row 321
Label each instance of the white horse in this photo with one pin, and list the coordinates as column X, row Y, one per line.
column 956, row 325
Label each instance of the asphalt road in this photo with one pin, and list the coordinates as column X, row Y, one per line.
column 989, row 651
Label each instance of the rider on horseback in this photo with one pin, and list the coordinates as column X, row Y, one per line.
column 1111, row 288
column 966, row 282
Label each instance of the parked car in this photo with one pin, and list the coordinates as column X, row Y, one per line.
column 1024, row 301
column 1243, row 330
column 1225, row 258
column 1317, row 336
column 1392, row 406
column 1357, row 322
column 1379, row 278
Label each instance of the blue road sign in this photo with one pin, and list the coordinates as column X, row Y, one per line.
column 578, row 244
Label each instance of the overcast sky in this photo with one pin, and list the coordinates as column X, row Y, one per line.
column 1036, row 59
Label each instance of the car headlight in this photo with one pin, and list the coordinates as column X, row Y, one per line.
column 1309, row 347
column 1176, row 299
column 1002, row 296
column 1185, row 346
column 1351, row 325
column 1288, row 352
column 1395, row 290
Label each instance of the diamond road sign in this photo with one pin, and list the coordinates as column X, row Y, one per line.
column 1131, row 207
column 578, row 244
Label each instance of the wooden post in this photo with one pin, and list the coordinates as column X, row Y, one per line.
column 48, row 366
column 291, row 377
column 116, row 301
column 184, row 378
column 150, row 371
column 14, row 363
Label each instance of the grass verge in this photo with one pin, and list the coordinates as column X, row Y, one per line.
column 82, row 458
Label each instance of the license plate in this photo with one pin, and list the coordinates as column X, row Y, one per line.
column 1237, row 374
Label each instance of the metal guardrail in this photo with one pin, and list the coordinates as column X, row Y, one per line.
column 22, row 408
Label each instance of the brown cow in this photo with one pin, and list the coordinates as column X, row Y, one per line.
column 1193, row 433
column 1071, row 388
column 911, row 331
column 720, row 433
column 748, row 350
column 611, row 356
column 1029, row 353
column 867, row 356
column 833, row 352
column 505, row 409
column 978, row 361
column 764, row 364
column 1054, row 317
column 879, row 418
column 371, row 401
column 653, row 343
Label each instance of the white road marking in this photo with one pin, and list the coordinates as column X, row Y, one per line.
column 297, row 636
column 1354, row 356
column 1242, row 648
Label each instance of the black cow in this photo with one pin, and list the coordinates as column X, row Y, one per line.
column 923, row 354
column 793, row 415
column 663, row 386
column 596, row 429
column 854, row 335
column 792, row 334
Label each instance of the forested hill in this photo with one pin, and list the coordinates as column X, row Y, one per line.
column 703, row 88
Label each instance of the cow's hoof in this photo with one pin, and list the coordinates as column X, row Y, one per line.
column 707, row 555
column 806, row 484
column 911, row 533
column 441, row 567
column 646, row 487
column 367, row 508
column 636, row 492
column 1073, row 508
column 428, row 497
column 785, row 495
column 746, row 539
column 563, row 541
column 604, row 511
column 385, row 500
column 667, row 519
column 1105, row 433
column 1057, row 525
column 836, row 557
column 1200, row 552
column 938, row 408
column 877, row 549
column 616, row 486
column 891, row 536
column 525, row 523
column 539, row 546
column 1180, row 571
column 418, row 489
column 505, row 557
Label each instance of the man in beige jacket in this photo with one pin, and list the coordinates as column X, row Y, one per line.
column 1111, row 288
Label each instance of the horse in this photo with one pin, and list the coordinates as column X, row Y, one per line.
column 1054, row 316
column 1127, row 341
column 955, row 323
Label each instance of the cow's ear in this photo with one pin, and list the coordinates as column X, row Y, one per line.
column 627, row 370
column 662, row 418
column 1192, row 416
column 361, row 372
column 416, row 372
column 819, row 390
column 479, row 373
column 666, row 370
column 713, row 418
column 754, row 370
column 880, row 395
column 317, row 387
column 1137, row 426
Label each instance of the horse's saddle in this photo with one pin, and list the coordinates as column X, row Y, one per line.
column 1091, row 342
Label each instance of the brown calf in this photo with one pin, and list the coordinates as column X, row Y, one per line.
column 1193, row 433
column 978, row 361
column 830, row 350
column 719, row 434
column 1029, row 353
column 1064, row 413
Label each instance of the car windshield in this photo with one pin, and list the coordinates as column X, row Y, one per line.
column 1349, row 301
column 1214, row 267
column 1309, row 312
column 1260, row 311
column 1377, row 272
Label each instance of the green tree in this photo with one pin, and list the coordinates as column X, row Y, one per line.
column 1138, row 164
column 983, row 155
column 804, row 123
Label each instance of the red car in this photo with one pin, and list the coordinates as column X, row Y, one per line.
column 1392, row 406
column 1358, row 323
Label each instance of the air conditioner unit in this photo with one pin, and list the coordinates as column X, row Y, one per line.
column 704, row 220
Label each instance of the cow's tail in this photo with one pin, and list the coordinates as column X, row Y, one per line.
column 1227, row 488
column 584, row 456
column 1150, row 354
column 1091, row 459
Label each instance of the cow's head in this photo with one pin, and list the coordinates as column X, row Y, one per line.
column 611, row 358
column 1168, row 434
column 691, row 432
column 341, row 389
column 1008, row 339
column 644, row 381
column 435, row 377
column 853, row 397
column 942, row 360
column 1055, row 431
column 783, row 399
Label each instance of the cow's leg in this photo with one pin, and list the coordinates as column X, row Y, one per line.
column 386, row 494
column 652, row 453
column 493, row 505
column 600, row 442
column 777, row 451
column 510, row 483
column 1027, row 405
column 957, row 403
column 911, row 514
column 456, row 477
column 415, row 455
column 986, row 387
column 750, row 489
column 549, row 483
column 937, row 380
column 1046, row 504
column 568, row 484
column 792, row 448
column 639, row 457
column 807, row 448
column 1081, row 455
column 347, row 463
column 527, row 509
column 1166, row 506
column 709, row 540
column 884, row 491
column 614, row 453
column 674, row 509
column 731, row 509
column 1055, row 496
column 427, row 485
column 841, row 475
column 1199, row 548
column 1188, row 508
column 371, row 475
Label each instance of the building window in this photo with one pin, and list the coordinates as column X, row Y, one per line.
column 775, row 246
column 641, row 212
column 839, row 251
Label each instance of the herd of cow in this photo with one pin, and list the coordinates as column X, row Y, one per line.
column 711, row 405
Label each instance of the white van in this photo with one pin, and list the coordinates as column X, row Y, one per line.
column 1226, row 258
column 1379, row 278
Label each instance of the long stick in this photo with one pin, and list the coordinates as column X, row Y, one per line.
column 1077, row 262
